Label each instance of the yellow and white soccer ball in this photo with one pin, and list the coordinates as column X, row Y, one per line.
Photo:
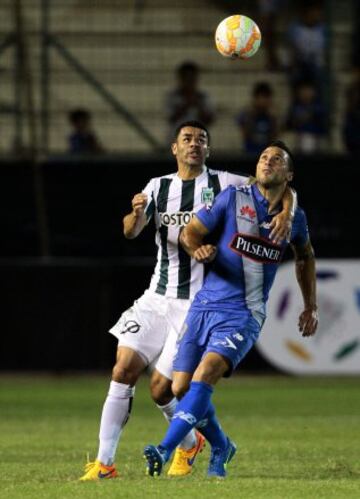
column 237, row 37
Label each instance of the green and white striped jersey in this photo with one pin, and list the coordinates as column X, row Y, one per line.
column 173, row 202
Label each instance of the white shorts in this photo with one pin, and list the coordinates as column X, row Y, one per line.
column 151, row 328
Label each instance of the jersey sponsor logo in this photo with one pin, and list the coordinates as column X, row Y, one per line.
column 207, row 196
column 247, row 210
column 178, row 219
column 256, row 248
column 131, row 327
column 248, row 214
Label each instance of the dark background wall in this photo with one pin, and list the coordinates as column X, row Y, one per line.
column 56, row 310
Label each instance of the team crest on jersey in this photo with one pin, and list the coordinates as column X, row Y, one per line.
column 207, row 196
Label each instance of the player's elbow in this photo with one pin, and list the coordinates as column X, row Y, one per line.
column 129, row 234
column 130, row 230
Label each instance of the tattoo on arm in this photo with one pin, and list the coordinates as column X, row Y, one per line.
column 306, row 274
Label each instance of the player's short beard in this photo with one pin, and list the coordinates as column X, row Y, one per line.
column 196, row 164
column 271, row 183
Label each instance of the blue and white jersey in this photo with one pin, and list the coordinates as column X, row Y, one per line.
column 244, row 269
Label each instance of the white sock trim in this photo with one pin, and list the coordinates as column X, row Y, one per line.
column 169, row 407
column 120, row 390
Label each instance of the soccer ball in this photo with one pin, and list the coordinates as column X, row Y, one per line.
column 237, row 36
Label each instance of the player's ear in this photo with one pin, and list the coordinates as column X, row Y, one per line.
column 208, row 152
column 289, row 176
column 174, row 148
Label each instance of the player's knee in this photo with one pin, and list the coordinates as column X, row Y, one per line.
column 122, row 374
column 210, row 371
column 160, row 389
column 179, row 388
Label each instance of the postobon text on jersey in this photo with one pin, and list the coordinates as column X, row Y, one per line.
column 179, row 218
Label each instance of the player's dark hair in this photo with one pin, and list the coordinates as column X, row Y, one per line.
column 194, row 124
column 78, row 114
column 281, row 145
column 262, row 88
column 187, row 66
column 305, row 82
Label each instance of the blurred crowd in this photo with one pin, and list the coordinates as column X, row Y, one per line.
column 309, row 112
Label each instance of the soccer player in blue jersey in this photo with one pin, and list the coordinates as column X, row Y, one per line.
column 149, row 329
column 227, row 314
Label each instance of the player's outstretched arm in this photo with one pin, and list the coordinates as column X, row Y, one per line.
column 191, row 239
column 306, row 277
column 135, row 221
column 281, row 223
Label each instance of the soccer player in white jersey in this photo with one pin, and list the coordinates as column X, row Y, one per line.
column 147, row 332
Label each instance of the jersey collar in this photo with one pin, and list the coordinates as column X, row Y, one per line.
column 202, row 174
column 264, row 202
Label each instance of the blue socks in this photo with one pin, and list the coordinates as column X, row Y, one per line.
column 195, row 407
column 188, row 412
column 211, row 429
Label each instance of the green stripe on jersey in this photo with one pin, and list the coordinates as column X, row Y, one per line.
column 150, row 210
column 162, row 200
column 214, row 182
column 184, row 276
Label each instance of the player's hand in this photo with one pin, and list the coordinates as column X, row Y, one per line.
column 139, row 202
column 205, row 254
column 308, row 322
column 280, row 227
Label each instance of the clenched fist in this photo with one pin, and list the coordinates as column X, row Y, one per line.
column 205, row 253
column 138, row 203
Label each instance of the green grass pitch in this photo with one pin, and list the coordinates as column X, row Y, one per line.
column 297, row 438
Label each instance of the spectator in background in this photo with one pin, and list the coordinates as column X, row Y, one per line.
column 351, row 123
column 355, row 42
column 82, row 140
column 306, row 118
column 187, row 101
column 257, row 123
column 307, row 38
column 269, row 11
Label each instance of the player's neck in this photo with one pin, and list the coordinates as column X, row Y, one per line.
column 272, row 194
column 186, row 172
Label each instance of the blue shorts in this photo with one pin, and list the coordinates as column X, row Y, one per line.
column 230, row 334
